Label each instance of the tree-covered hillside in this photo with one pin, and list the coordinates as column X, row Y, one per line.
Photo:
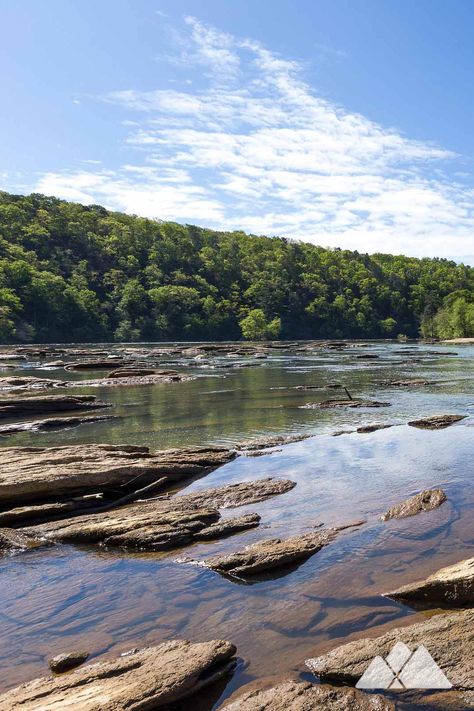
column 75, row 273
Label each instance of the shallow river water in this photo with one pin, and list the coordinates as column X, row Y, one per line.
column 68, row 597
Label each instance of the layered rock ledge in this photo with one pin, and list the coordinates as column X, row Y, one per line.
column 150, row 678
column 453, row 586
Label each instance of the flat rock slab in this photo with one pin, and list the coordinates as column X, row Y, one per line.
column 12, row 540
column 52, row 423
column 30, row 474
column 96, row 364
column 449, row 638
column 303, row 696
column 24, row 406
column 267, row 442
column 372, row 428
column 268, row 554
column 163, row 524
column 408, row 383
column 453, row 586
column 327, row 404
column 134, row 380
column 20, row 382
column 424, row 501
column 437, row 422
column 233, row 495
column 150, row 678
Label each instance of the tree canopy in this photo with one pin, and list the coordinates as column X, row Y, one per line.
column 70, row 272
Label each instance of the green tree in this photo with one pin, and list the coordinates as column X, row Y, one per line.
column 255, row 326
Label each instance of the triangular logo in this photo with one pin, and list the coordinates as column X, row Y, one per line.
column 404, row 669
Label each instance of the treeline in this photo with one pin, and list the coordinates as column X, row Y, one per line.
column 74, row 273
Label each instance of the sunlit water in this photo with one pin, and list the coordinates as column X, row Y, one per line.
column 67, row 597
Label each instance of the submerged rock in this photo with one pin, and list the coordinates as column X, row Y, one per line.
column 153, row 677
column 134, row 380
column 290, row 695
column 409, row 382
column 436, row 422
column 269, row 554
column 33, row 473
column 424, row 501
column 52, row 423
column 21, row 407
column 449, row 638
column 69, row 660
column 345, row 403
column 452, row 586
column 96, row 364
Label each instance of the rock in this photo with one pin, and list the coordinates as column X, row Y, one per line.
column 449, row 638
column 453, row 586
column 69, row 660
column 269, row 554
column 12, row 540
column 52, row 423
column 436, row 422
column 227, row 527
column 367, row 356
column 165, row 523
column 94, row 365
column 46, row 512
column 153, row 677
column 24, row 406
column 424, row 501
column 30, row 382
column 135, row 380
column 411, row 382
column 242, row 494
column 33, row 473
column 130, row 372
column 291, row 695
column 345, row 403
column 267, row 442
column 372, row 428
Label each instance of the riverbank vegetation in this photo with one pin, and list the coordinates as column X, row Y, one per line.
column 70, row 272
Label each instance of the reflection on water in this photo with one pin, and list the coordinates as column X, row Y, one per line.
column 108, row 601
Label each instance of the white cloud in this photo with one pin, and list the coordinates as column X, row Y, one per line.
column 256, row 148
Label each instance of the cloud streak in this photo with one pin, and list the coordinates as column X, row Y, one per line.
column 255, row 148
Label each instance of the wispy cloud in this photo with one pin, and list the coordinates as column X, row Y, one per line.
column 256, row 148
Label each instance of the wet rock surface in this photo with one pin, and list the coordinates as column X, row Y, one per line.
column 12, row 540
column 268, row 442
column 327, row 404
column 449, row 638
column 437, row 422
column 52, row 423
column 153, row 677
column 426, row 500
column 165, row 523
column 68, row 660
column 31, row 382
column 453, row 586
column 291, row 695
column 270, row 554
column 133, row 380
column 22, row 407
column 30, row 473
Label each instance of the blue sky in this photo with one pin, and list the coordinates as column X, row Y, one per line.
column 341, row 122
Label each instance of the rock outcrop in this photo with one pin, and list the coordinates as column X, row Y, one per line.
column 436, row 422
column 52, row 423
column 453, row 586
column 449, row 638
column 291, row 695
column 327, row 404
column 150, row 678
column 424, row 501
column 12, row 408
column 233, row 495
column 269, row 554
column 33, row 473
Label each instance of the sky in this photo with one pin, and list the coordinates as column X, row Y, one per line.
column 346, row 123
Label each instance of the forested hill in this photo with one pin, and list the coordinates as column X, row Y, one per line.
column 75, row 273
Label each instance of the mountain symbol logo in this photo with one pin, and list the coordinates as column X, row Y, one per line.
column 404, row 669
